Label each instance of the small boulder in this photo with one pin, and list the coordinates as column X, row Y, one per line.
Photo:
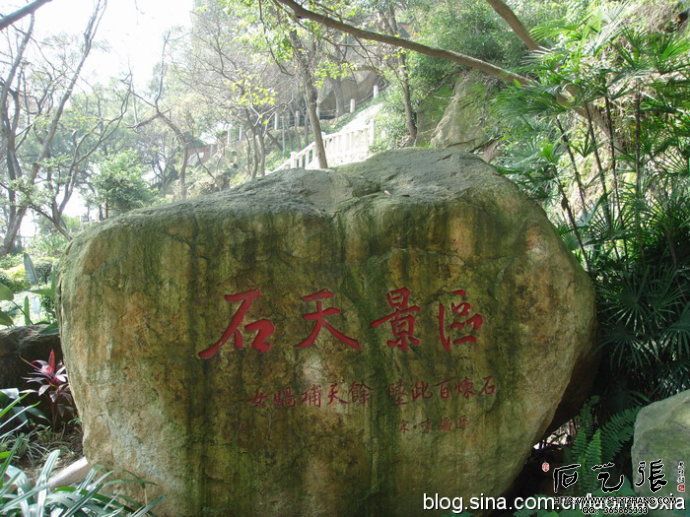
column 662, row 442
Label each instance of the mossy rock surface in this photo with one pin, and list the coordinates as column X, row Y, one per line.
column 241, row 433
column 662, row 442
column 466, row 123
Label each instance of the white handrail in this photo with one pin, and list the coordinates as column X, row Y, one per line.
column 343, row 147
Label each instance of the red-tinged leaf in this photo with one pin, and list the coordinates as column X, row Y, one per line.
column 51, row 360
column 38, row 364
column 61, row 378
column 43, row 389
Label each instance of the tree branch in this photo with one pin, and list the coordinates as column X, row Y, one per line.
column 455, row 57
column 17, row 15
column 515, row 24
column 89, row 35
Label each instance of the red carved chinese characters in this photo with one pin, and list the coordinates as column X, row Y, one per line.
column 312, row 396
column 489, row 386
column 462, row 326
column 319, row 317
column 360, row 393
column 263, row 328
column 402, row 319
column 426, row 425
column 333, row 395
column 446, row 424
column 284, row 398
column 398, row 393
column 421, row 390
column 468, row 325
column 466, row 388
column 444, row 389
column 342, row 394
column 259, row 399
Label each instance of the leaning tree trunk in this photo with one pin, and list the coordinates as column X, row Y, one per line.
column 305, row 129
column 310, row 95
column 9, row 242
column 251, row 158
column 315, row 124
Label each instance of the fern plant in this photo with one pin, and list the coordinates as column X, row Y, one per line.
column 598, row 445
column 595, row 445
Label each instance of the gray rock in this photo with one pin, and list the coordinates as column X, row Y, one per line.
column 464, row 123
column 662, row 434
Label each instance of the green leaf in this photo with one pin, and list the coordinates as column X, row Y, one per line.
column 31, row 275
column 6, row 293
column 51, row 330
column 27, row 311
column 5, row 319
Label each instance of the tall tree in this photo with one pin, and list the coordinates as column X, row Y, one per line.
column 290, row 45
column 237, row 80
column 33, row 99
column 161, row 109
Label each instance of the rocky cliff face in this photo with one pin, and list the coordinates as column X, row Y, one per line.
column 325, row 342
column 466, row 119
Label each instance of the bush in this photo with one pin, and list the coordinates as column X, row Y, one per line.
column 15, row 278
column 20, row 496
column 9, row 261
column 43, row 267
column 48, row 245
column 120, row 185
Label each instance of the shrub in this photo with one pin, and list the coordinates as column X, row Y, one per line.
column 15, row 278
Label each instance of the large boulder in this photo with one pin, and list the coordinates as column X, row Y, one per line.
column 661, row 442
column 21, row 345
column 453, row 319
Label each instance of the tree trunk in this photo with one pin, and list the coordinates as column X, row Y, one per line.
column 251, row 162
column 183, row 173
column 9, row 242
column 410, row 114
column 262, row 153
column 339, row 97
column 305, row 130
column 58, row 221
column 310, row 95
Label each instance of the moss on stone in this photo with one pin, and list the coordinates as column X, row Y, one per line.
column 142, row 294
